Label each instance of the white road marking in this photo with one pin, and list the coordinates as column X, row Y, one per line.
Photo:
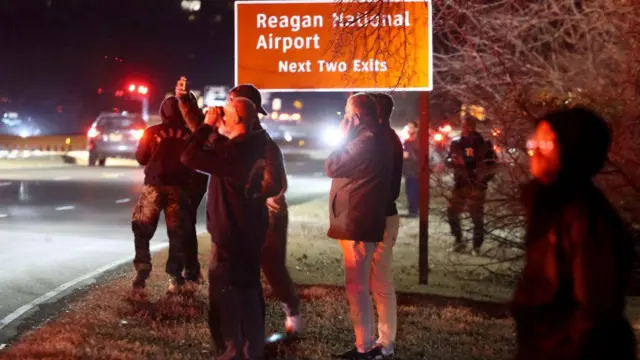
column 3, row 216
column 112, row 176
column 27, row 307
column 6, row 183
column 64, row 208
column 123, row 201
column 62, row 178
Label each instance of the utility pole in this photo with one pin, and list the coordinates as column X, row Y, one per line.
column 424, row 181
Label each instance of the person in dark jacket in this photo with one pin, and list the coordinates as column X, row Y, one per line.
column 410, row 168
column 361, row 178
column 385, row 296
column 473, row 160
column 237, row 220
column 165, row 181
column 569, row 303
column 274, row 253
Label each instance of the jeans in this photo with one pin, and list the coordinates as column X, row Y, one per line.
column 192, row 265
column 472, row 199
column 236, row 313
column 175, row 204
column 274, row 263
column 368, row 271
column 412, row 188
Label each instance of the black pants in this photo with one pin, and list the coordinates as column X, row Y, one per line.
column 472, row 199
column 274, row 263
column 175, row 204
column 237, row 309
column 192, row 265
column 412, row 188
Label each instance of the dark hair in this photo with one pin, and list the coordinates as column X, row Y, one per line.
column 414, row 123
column 385, row 106
column 584, row 138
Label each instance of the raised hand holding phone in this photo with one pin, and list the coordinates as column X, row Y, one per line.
column 181, row 87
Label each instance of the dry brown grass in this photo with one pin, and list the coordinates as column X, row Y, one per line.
column 460, row 315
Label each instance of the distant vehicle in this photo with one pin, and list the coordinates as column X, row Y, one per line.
column 114, row 135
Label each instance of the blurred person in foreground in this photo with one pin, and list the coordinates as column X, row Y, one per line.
column 361, row 172
column 274, row 253
column 569, row 303
column 385, row 296
column 165, row 181
column 237, row 220
column 410, row 168
column 473, row 161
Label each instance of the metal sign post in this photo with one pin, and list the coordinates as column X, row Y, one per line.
column 423, row 179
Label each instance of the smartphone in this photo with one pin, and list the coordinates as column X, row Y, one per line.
column 182, row 83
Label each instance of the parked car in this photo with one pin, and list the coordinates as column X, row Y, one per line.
column 114, row 135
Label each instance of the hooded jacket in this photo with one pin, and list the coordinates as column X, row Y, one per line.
column 570, row 300
column 160, row 147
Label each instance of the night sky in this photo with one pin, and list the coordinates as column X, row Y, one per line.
column 55, row 55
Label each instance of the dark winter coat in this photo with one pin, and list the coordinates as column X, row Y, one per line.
column 569, row 303
column 361, row 171
column 237, row 217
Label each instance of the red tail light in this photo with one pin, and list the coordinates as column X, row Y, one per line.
column 438, row 137
column 93, row 132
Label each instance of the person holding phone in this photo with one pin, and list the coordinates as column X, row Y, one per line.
column 361, row 179
column 237, row 220
column 165, row 181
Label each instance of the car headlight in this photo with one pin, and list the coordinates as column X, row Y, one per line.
column 333, row 137
column 288, row 137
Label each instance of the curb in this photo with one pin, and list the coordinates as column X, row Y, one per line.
column 7, row 320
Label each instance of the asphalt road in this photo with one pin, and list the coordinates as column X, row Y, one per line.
column 61, row 224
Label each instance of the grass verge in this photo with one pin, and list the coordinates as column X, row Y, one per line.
column 461, row 314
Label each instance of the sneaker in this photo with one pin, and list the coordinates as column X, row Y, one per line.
column 354, row 354
column 140, row 281
column 175, row 286
column 384, row 352
column 293, row 325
